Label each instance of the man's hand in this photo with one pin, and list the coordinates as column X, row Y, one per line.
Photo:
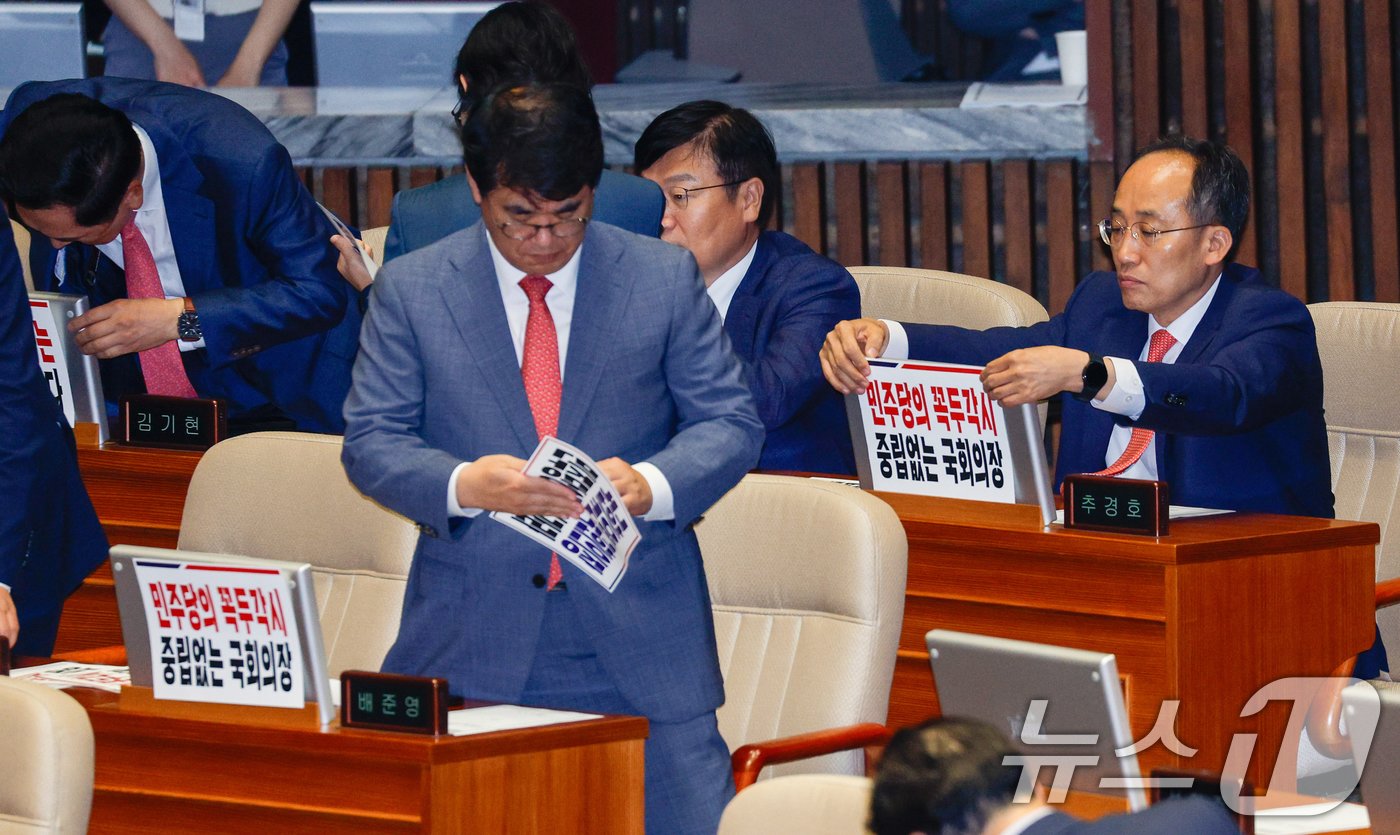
column 636, row 492
column 176, row 64
column 9, row 618
column 350, row 265
column 1030, row 375
column 846, row 349
column 496, row 482
column 127, row 326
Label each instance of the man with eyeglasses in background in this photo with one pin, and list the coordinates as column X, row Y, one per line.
column 1180, row 341
column 536, row 322
column 718, row 169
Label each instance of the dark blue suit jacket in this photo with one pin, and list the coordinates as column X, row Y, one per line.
column 1238, row 415
column 49, row 536
column 780, row 314
column 1194, row 815
column 429, row 213
column 253, row 254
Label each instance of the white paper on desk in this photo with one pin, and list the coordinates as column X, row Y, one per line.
column 483, row 720
column 61, row 675
column 1305, row 820
column 601, row 540
column 982, row 94
column 1176, row 511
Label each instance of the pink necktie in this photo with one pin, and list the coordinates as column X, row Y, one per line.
column 161, row 366
column 539, row 367
column 1161, row 342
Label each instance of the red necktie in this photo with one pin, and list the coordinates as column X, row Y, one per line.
column 161, row 366
column 539, row 367
column 1161, row 342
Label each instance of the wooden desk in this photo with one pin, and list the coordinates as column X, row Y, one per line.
column 180, row 767
column 1207, row 615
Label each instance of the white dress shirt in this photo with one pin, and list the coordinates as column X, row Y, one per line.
column 1126, row 397
column 560, row 301
column 721, row 292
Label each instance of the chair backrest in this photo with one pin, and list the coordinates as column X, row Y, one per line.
column 22, row 245
column 375, row 236
column 810, row 804
column 807, row 585
column 285, row 496
column 46, row 769
column 1359, row 343
column 935, row 297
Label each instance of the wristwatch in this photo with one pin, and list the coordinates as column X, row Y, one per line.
column 188, row 325
column 1095, row 375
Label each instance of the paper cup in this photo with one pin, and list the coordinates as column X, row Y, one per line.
column 1074, row 58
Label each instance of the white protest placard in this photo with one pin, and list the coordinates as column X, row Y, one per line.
column 49, row 342
column 600, row 541
column 222, row 633
column 931, row 430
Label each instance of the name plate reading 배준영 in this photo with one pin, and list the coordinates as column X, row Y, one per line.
column 222, row 633
column 391, row 702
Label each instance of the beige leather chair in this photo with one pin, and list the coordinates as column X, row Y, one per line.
column 807, row 585
column 800, row 804
column 22, row 245
column 935, row 297
column 46, row 764
column 374, row 236
column 285, row 496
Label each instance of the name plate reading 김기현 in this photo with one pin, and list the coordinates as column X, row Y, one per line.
column 156, row 420
column 222, row 633
column 930, row 429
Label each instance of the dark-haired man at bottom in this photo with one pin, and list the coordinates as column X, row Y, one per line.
column 949, row 776
column 533, row 322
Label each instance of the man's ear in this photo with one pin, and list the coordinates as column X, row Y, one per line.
column 751, row 198
column 134, row 196
column 1218, row 243
column 476, row 192
column 462, row 82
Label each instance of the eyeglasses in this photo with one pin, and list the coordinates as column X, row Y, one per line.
column 459, row 113
column 680, row 197
column 1112, row 233
column 569, row 228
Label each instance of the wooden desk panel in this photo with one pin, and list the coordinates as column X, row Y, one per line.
column 179, row 766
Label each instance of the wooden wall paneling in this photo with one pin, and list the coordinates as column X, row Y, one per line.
column 976, row 219
column 1124, row 94
column 1191, row 26
column 422, row 175
column 808, row 200
column 1018, row 224
column 1061, row 232
column 1146, row 73
column 1239, row 104
column 379, row 187
column 893, row 213
column 1288, row 149
column 1380, row 133
column 336, row 192
column 1102, row 185
column 933, row 216
column 1098, row 22
column 851, row 249
column 1336, row 150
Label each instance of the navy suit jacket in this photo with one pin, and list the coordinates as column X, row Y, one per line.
column 252, row 249
column 780, row 314
column 1238, row 416
column 429, row 213
column 649, row 376
column 1196, row 815
column 49, row 535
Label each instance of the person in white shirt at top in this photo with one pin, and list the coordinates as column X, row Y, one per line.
column 199, row 43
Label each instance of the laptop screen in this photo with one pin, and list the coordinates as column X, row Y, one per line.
column 402, row 44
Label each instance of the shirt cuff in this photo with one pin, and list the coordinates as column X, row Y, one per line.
column 189, row 346
column 897, row 346
column 663, row 502
column 5, row 586
column 1126, row 397
column 454, row 509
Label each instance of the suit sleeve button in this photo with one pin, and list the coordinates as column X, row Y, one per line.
column 537, row 581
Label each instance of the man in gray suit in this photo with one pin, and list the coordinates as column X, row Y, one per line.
column 456, row 381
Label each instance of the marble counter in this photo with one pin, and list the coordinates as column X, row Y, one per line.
column 810, row 122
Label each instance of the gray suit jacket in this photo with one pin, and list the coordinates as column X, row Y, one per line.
column 650, row 376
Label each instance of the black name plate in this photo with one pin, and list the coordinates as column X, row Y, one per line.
column 1120, row 505
column 154, row 420
column 389, row 702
